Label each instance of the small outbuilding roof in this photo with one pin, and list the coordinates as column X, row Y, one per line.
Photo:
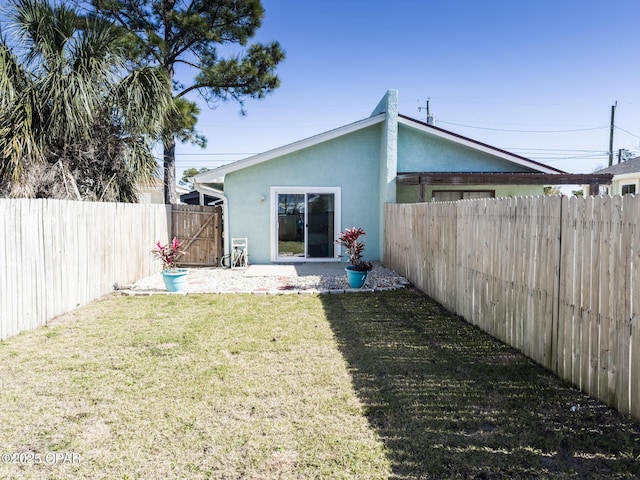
column 622, row 168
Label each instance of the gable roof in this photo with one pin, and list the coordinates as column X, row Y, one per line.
column 377, row 117
column 630, row 166
column 476, row 145
column 219, row 172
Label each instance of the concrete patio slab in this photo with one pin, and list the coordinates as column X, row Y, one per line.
column 295, row 270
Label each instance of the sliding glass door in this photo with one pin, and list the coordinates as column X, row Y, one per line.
column 306, row 222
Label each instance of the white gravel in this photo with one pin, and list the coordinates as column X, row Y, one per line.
column 273, row 280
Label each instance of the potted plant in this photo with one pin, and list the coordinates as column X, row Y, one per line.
column 357, row 271
column 175, row 279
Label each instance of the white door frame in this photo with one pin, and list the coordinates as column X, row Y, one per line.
column 273, row 207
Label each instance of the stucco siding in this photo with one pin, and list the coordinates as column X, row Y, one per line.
column 350, row 162
column 420, row 152
column 358, row 164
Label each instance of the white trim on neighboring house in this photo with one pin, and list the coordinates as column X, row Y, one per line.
column 624, row 173
column 479, row 146
column 615, row 187
column 626, row 176
column 216, row 174
column 154, row 191
column 273, row 221
column 623, row 180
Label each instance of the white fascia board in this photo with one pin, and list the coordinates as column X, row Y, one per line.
column 478, row 146
column 216, row 174
column 626, row 176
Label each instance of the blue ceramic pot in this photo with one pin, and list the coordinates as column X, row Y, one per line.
column 355, row 278
column 175, row 280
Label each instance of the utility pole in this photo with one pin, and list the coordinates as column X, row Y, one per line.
column 613, row 115
column 430, row 119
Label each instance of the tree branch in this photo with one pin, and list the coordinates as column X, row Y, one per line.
column 191, row 64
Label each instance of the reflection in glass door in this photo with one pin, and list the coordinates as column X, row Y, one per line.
column 306, row 224
column 320, row 224
column 291, row 224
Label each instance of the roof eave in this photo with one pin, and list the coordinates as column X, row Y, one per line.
column 625, row 176
column 500, row 178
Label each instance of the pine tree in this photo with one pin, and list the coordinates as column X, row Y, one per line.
column 194, row 35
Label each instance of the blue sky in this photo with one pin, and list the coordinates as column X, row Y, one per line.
column 535, row 77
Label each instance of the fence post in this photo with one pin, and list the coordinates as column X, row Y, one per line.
column 556, row 277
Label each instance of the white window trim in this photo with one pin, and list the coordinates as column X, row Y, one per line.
column 273, row 215
column 629, row 184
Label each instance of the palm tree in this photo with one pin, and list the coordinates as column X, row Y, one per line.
column 73, row 122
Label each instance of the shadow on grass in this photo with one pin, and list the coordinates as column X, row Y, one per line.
column 449, row 401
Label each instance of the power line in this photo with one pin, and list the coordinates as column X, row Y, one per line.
column 627, row 132
column 215, row 154
column 532, row 149
column 463, row 101
column 261, row 127
column 558, row 159
column 522, row 131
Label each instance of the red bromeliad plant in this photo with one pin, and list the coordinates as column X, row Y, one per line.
column 354, row 248
column 168, row 253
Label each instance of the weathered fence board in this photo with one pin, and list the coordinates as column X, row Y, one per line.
column 58, row 254
column 557, row 278
column 633, row 214
column 200, row 229
column 623, row 299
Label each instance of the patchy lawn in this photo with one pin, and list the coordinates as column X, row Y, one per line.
column 365, row 386
column 185, row 387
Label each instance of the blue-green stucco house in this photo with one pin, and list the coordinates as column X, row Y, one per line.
column 290, row 203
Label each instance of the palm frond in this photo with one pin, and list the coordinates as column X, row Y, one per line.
column 71, row 125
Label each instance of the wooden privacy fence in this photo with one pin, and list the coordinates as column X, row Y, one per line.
column 200, row 228
column 556, row 277
column 56, row 255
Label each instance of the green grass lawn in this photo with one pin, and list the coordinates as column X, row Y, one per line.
column 359, row 386
column 291, row 248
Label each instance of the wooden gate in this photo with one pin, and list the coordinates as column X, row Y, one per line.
column 200, row 228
